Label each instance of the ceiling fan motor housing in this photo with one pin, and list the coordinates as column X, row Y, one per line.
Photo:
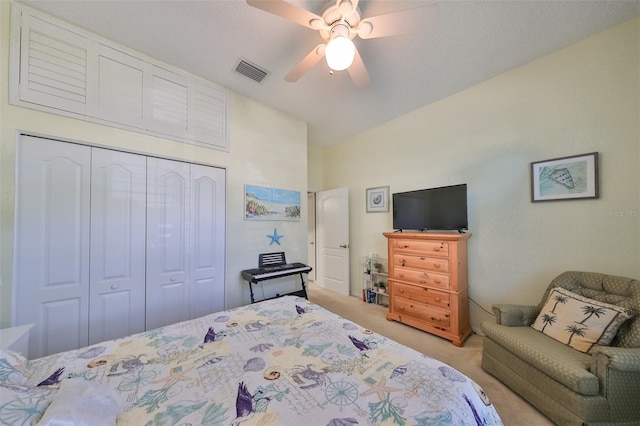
column 338, row 23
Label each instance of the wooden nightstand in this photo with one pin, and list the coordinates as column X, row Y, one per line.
column 16, row 339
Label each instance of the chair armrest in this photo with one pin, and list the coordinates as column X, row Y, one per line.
column 515, row 315
column 611, row 357
column 618, row 371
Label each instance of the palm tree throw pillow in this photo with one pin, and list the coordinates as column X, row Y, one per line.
column 578, row 321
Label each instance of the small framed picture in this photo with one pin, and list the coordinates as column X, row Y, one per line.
column 565, row 178
column 378, row 199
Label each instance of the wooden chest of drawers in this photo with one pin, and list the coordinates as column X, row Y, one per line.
column 428, row 286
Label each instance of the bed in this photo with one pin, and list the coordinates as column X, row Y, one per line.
column 282, row 361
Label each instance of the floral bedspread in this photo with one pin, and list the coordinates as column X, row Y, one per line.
column 282, row 361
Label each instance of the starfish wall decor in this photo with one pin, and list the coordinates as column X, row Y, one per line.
column 275, row 238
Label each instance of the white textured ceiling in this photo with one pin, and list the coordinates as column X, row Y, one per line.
column 471, row 42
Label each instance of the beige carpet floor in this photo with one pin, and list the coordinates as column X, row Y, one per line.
column 513, row 410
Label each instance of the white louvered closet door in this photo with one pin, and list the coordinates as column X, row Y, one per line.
column 119, row 95
column 54, row 66
column 118, row 218
column 167, row 101
column 51, row 278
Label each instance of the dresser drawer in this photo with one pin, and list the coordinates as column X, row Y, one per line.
column 433, row 316
column 430, row 279
column 439, row 248
column 421, row 262
column 421, row 295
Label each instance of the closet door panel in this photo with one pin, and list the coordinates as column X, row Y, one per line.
column 118, row 218
column 52, row 243
column 119, row 87
column 63, row 324
column 207, row 240
column 167, row 288
column 167, row 104
column 53, row 66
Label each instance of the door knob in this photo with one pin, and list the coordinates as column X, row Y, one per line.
column 114, row 286
column 344, row 245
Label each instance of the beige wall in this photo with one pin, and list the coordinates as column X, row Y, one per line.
column 314, row 168
column 268, row 148
column 580, row 99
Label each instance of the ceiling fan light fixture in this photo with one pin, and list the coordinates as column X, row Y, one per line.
column 339, row 53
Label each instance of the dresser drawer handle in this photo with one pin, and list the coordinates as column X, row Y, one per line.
column 437, row 265
column 437, row 281
column 437, row 299
column 401, row 290
column 401, row 275
column 435, row 319
column 437, row 249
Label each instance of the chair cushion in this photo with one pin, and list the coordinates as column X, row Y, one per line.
column 578, row 321
column 559, row 361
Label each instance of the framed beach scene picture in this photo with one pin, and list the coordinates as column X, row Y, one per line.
column 266, row 203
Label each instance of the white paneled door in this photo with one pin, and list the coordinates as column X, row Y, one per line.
column 110, row 243
column 332, row 208
column 167, row 242
column 118, row 215
column 207, row 240
column 185, row 241
column 52, row 244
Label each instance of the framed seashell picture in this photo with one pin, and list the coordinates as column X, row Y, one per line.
column 378, row 199
column 565, row 178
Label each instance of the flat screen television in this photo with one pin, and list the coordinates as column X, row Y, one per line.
column 443, row 208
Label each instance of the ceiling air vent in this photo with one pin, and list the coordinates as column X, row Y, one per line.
column 252, row 71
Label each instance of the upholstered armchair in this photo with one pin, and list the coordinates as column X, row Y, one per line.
column 598, row 383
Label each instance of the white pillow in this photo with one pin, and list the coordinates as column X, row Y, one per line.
column 578, row 321
column 83, row 403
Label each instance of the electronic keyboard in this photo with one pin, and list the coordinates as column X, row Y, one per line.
column 274, row 265
column 270, row 272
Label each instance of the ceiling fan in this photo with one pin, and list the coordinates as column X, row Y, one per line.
column 338, row 25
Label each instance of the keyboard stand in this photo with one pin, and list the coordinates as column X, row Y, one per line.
column 277, row 268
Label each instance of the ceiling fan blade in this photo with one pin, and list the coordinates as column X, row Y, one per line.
column 358, row 72
column 306, row 64
column 287, row 11
column 403, row 22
